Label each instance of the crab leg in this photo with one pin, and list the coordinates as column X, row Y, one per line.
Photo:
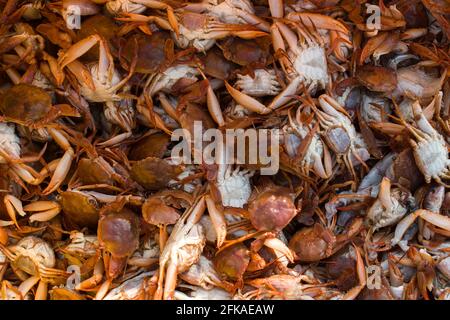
column 103, row 290
column 385, row 194
column 153, row 4
column 78, row 49
column 12, row 205
column 288, row 35
column 213, row 104
column 387, row 127
column 63, row 166
column 134, row 17
column 246, row 101
column 286, row 94
column 331, row 106
column 81, row 73
column 422, row 122
column 41, row 291
column 361, row 271
column 279, row 246
column 431, row 217
column 218, row 220
column 95, row 279
column 28, row 284
column 318, row 21
column 55, row 69
column 168, row 107
column 318, row 167
column 48, row 210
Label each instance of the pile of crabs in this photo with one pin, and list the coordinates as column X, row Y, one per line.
column 93, row 205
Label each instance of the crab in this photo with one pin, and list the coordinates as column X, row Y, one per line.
column 304, row 144
column 100, row 81
column 25, row 42
column 132, row 289
column 82, row 245
column 390, row 206
column 32, row 256
column 31, row 106
column 165, row 80
column 183, row 248
column 305, row 65
column 340, row 134
column 429, row 148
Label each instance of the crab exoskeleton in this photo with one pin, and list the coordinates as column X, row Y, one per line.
column 264, row 83
column 340, row 134
column 390, row 206
column 235, row 187
column 429, row 147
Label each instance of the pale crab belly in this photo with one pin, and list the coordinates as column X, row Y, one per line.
column 432, row 158
column 197, row 38
column 263, row 84
column 172, row 75
column 186, row 256
column 311, row 65
column 315, row 151
column 224, row 13
column 102, row 92
column 124, row 6
column 381, row 218
column 9, row 141
column 98, row 95
column 235, row 191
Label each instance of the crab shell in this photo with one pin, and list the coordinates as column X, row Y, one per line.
column 32, row 253
column 132, row 289
column 228, row 11
column 102, row 92
column 264, row 83
column 235, row 188
column 9, row 141
column 187, row 252
column 310, row 64
column 381, row 217
column 432, row 157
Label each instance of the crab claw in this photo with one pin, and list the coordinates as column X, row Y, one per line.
column 246, row 101
column 78, row 49
column 63, row 167
column 218, row 221
column 12, row 205
column 361, row 272
column 279, row 246
column 276, row 8
column 385, row 194
column 286, row 95
column 47, row 210
column 435, row 219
